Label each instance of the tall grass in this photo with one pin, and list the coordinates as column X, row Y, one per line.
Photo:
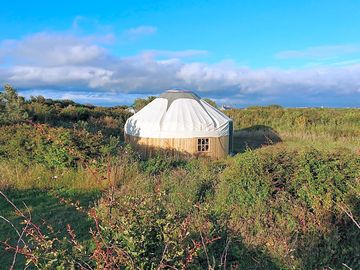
column 319, row 128
column 37, row 176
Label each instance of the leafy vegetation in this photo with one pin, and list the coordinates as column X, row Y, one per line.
column 12, row 107
column 211, row 102
column 290, row 198
column 140, row 103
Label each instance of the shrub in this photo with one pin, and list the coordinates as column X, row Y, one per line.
column 12, row 106
column 289, row 203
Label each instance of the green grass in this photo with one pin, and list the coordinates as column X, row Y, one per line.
column 323, row 129
column 45, row 207
column 260, row 136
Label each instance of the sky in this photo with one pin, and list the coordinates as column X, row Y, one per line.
column 240, row 53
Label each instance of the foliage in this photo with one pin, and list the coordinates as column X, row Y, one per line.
column 292, row 200
column 12, row 108
column 140, row 103
column 211, row 102
column 148, row 235
column 53, row 147
column 289, row 199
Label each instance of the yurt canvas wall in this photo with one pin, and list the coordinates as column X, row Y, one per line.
column 217, row 146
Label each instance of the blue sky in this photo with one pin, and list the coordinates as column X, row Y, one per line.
column 292, row 53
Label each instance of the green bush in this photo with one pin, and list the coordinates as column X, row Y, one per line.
column 54, row 147
column 12, row 106
column 289, row 203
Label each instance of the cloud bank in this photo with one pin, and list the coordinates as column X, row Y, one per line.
column 63, row 65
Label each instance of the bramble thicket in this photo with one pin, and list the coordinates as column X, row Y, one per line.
column 75, row 196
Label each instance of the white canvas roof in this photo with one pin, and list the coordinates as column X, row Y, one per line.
column 178, row 114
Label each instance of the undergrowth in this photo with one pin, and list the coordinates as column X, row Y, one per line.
column 75, row 197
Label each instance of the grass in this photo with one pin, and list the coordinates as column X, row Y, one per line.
column 259, row 136
column 37, row 176
column 45, row 207
column 42, row 190
column 323, row 129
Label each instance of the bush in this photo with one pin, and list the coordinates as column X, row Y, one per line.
column 289, row 203
column 12, row 106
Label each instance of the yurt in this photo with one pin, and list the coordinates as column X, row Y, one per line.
column 182, row 122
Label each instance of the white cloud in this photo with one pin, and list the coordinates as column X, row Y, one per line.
column 87, row 76
column 64, row 63
column 52, row 49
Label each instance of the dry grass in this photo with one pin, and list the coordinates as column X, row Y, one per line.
column 37, row 176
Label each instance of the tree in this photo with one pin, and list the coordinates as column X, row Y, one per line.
column 140, row 103
column 38, row 99
column 12, row 106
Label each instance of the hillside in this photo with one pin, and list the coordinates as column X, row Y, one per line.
column 288, row 199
